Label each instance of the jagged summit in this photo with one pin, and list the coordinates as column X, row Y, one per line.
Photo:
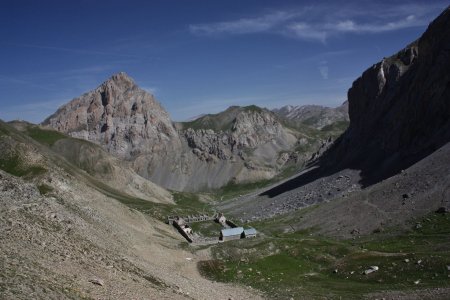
column 121, row 79
column 117, row 114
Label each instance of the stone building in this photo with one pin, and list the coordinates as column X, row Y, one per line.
column 249, row 233
column 228, row 234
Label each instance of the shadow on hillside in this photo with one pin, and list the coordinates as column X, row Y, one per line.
column 374, row 164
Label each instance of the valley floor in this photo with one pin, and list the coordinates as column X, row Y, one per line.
column 66, row 235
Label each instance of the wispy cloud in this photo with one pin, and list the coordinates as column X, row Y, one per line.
column 376, row 27
column 323, row 69
column 306, row 31
column 262, row 23
column 321, row 32
column 315, row 23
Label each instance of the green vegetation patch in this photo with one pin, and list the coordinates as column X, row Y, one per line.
column 232, row 189
column 206, row 228
column 303, row 265
column 186, row 204
column 253, row 108
column 44, row 136
column 222, row 121
column 339, row 126
column 189, row 203
column 14, row 165
column 213, row 122
column 3, row 131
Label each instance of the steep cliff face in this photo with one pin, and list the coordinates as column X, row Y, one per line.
column 400, row 107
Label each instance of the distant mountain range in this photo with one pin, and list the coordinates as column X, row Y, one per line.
column 315, row 115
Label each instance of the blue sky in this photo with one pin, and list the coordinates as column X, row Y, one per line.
column 198, row 56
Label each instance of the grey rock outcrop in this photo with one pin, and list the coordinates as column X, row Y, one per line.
column 119, row 115
column 249, row 130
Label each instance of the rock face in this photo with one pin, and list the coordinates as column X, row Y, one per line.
column 241, row 144
column 314, row 115
column 399, row 108
column 120, row 116
column 250, row 128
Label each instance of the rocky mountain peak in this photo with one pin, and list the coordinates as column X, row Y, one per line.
column 118, row 115
column 115, row 85
column 121, row 77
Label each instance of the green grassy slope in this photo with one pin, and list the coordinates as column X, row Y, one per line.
column 303, row 265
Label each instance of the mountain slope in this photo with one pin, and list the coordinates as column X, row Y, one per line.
column 95, row 161
column 66, row 236
column 314, row 115
column 239, row 145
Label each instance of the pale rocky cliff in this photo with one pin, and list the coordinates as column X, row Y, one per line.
column 119, row 115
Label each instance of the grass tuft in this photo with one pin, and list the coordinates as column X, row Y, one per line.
column 44, row 189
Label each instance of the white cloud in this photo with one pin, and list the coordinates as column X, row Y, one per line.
column 315, row 23
column 307, row 32
column 376, row 27
column 243, row 26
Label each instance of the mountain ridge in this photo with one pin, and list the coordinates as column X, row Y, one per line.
column 238, row 145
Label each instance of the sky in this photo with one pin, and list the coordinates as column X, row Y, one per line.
column 199, row 56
